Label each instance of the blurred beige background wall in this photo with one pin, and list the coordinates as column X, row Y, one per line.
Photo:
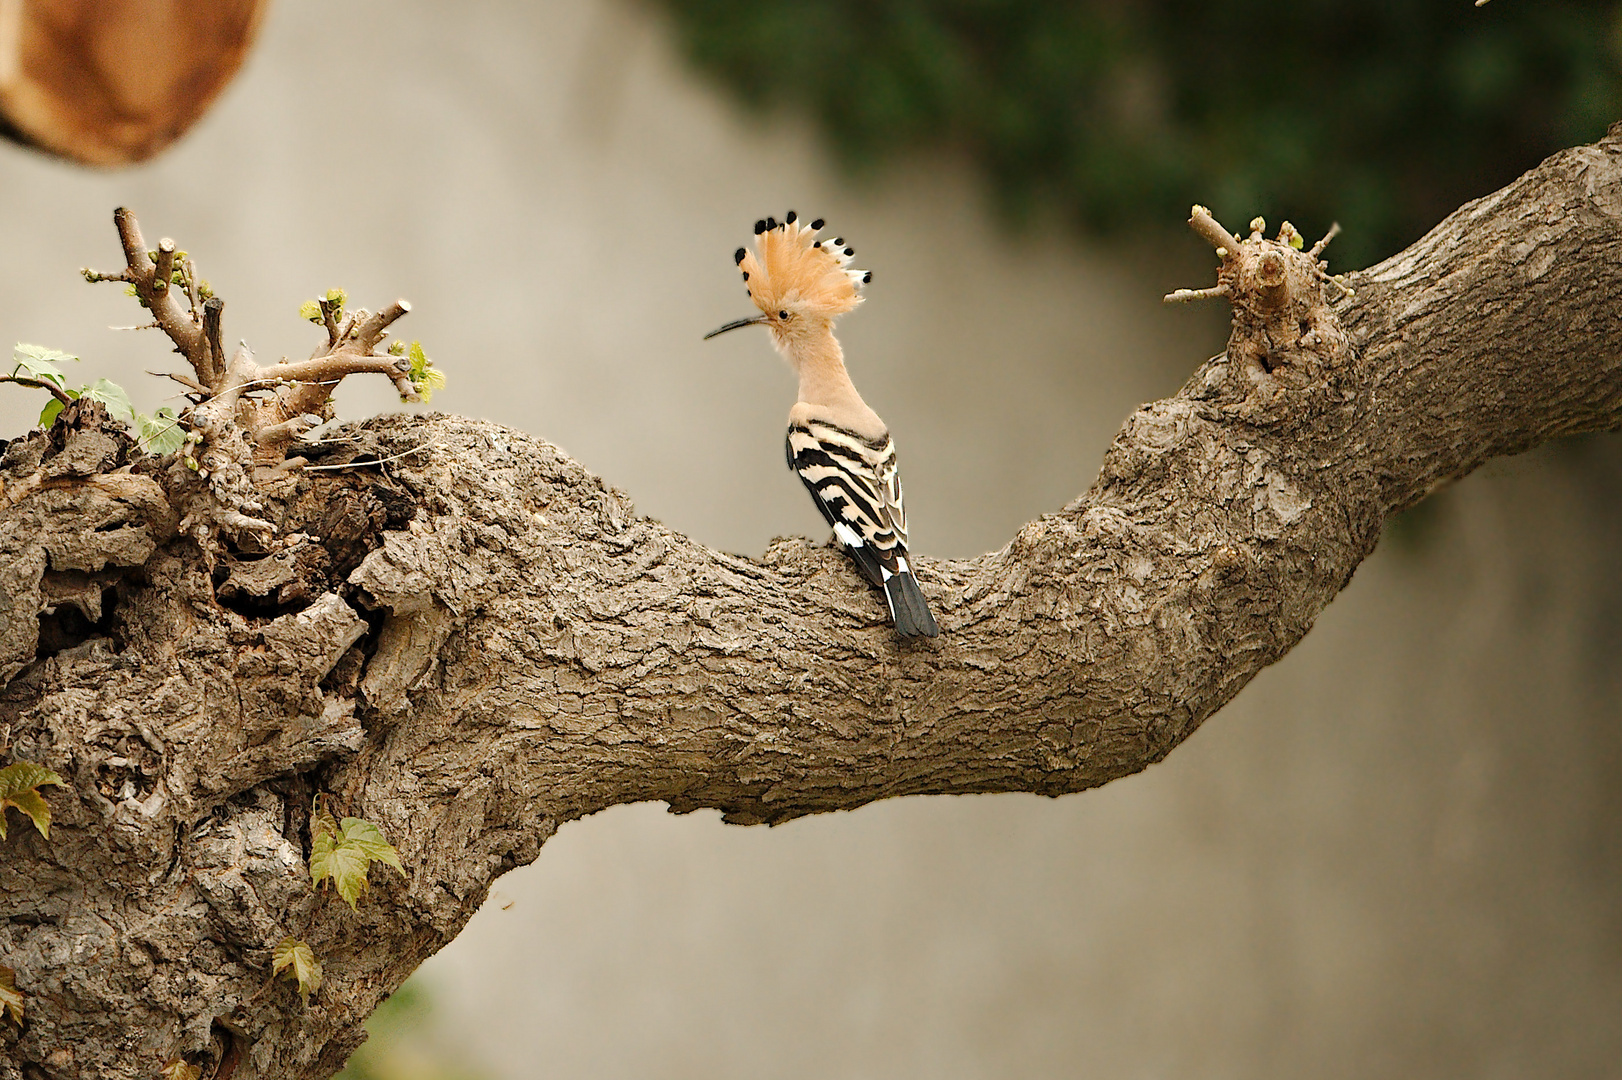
column 1398, row 853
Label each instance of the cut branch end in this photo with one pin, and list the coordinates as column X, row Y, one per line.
column 165, row 268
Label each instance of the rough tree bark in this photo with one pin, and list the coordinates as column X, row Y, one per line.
column 476, row 640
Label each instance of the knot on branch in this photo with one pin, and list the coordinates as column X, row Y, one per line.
column 1284, row 334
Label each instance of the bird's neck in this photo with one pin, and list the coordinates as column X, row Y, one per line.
column 826, row 384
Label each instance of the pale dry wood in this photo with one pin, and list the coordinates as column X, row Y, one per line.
column 526, row 649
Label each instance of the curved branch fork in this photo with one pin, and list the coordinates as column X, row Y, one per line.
column 519, row 648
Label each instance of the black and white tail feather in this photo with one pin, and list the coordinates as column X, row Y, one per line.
column 854, row 482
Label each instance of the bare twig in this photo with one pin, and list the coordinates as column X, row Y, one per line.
column 370, row 331
column 129, row 235
column 183, row 380
column 140, row 271
column 191, row 286
column 287, row 430
column 1183, row 296
column 1201, row 221
column 38, row 384
column 329, row 318
column 211, row 372
column 1318, row 248
column 326, row 370
column 165, row 268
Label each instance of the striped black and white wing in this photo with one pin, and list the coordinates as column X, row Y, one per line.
column 846, row 474
column 889, row 478
column 855, row 484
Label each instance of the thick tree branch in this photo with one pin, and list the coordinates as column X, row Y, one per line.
column 478, row 641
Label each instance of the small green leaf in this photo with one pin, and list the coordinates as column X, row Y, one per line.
column 310, row 310
column 24, row 352
column 337, row 298
column 297, row 960
column 19, row 786
column 345, row 853
column 369, row 839
column 161, row 432
column 113, row 396
column 39, row 363
column 425, row 378
column 53, row 408
column 11, row 998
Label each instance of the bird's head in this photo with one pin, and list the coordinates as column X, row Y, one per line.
column 799, row 283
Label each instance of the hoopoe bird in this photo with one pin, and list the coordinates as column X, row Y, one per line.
column 839, row 447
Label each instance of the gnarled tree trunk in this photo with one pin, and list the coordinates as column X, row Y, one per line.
column 476, row 640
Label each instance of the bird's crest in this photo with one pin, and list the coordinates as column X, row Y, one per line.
column 791, row 267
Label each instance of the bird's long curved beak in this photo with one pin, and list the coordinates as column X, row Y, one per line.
column 734, row 324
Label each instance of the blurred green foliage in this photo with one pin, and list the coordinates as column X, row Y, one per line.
column 1383, row 114
column 405, row 1044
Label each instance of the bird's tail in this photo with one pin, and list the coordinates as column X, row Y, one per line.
column 908, row 609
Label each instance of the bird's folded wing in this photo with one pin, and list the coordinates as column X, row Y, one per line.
column 853, row 482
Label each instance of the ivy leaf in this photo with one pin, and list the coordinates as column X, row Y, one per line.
column 11, row 998
column 113, row 396
column 161, row 432
column 23, row 352
column 369, row 839
column 38, row 362
column 297, row 961
column 19, row 786
column 345, row 852
column 53, row 409
column 177, row 1069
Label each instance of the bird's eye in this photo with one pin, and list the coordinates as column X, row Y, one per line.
column 783, row 315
